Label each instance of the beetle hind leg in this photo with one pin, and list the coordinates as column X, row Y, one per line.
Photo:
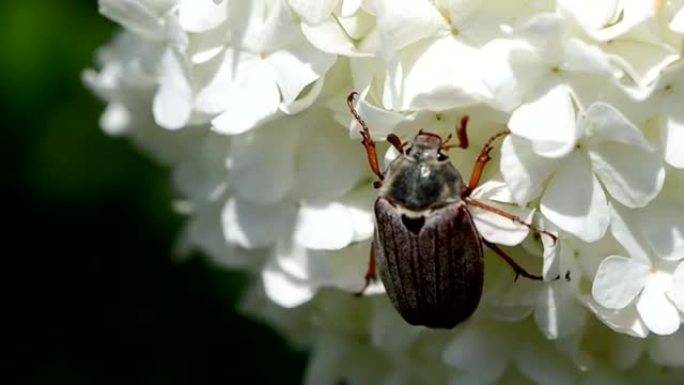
column 514, row 218
column 519, row 270
column 371, row 275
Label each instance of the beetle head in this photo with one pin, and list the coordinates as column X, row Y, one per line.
column 427, row 146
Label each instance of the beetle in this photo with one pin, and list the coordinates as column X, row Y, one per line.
column 426, row 248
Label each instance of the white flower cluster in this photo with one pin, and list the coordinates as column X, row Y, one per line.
column 245, row 100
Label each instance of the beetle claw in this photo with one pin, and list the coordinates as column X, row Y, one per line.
column 369, row 280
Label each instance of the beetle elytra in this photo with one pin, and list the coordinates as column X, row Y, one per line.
column 426, row 247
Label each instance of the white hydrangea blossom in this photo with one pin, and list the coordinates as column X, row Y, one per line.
column 245, row 101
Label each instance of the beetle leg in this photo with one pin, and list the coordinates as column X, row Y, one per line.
column 460, row 133
column 482, row 161
column 367, row 141
column 519, row 270
column 396, row 143
column 370, row 273
column 512, row 217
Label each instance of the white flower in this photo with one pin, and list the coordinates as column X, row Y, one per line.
column 126, row 81
column 655, row 244
column 631, row 34
column 669, row 92
column 608, row 19
column 245, row 102
column 600, row 144
column 540, row 60
column 265, row 67
column 431, row 51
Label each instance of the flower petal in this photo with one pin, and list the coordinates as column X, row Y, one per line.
column 642, row 60
column 677, row 23
column 270, row 26
column 417, row 76
column 622, row 228
column 250, row 103
column 618, row 281
column 592, row 14
column 497, row 74
column 330, row 37
column 657, row 312
column 116, row 119
column 533, row 121
column 493, row 227
column 480, row 347
column 134, row 15
column 604, row 122
column 296, row 67
column 609, row 19
column 262, row 162
column 580, row 56
column 523, row 170
column 251, row 226
column 360, row 205
column 203, row 233
column 402, row 22
column 346, row 267
column 673, row 122
column 173, row 100
column 313, row 12
column 324, row 226
column 676, row 292
column 380, row 121
column 574, row 200
column 662, row 227
column 323, row 174
column 544, row 366
column 632, row 176
column 350, row 7
column 252, row 99
column 305, row 99
column 625, row 320
column 219, row 76
column 557, row 313
column 284, row 289
column 544, row 31
column 201, row 15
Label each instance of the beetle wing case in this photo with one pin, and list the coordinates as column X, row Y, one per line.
column 432, row 266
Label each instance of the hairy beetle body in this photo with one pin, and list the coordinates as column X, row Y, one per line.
column 420, row 180
column 433, row 271
column 426, row 246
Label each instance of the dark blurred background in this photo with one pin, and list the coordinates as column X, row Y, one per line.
column 92, row 294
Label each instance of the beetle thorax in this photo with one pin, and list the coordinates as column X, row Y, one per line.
column 423, row 179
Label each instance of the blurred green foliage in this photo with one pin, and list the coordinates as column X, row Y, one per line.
column 93, row 295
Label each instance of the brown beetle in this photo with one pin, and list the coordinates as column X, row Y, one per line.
column 426, row 246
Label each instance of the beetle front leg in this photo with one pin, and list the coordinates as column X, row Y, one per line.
column 482, row 161
column 367, row 141
column 370, row 273
column 519, row 270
